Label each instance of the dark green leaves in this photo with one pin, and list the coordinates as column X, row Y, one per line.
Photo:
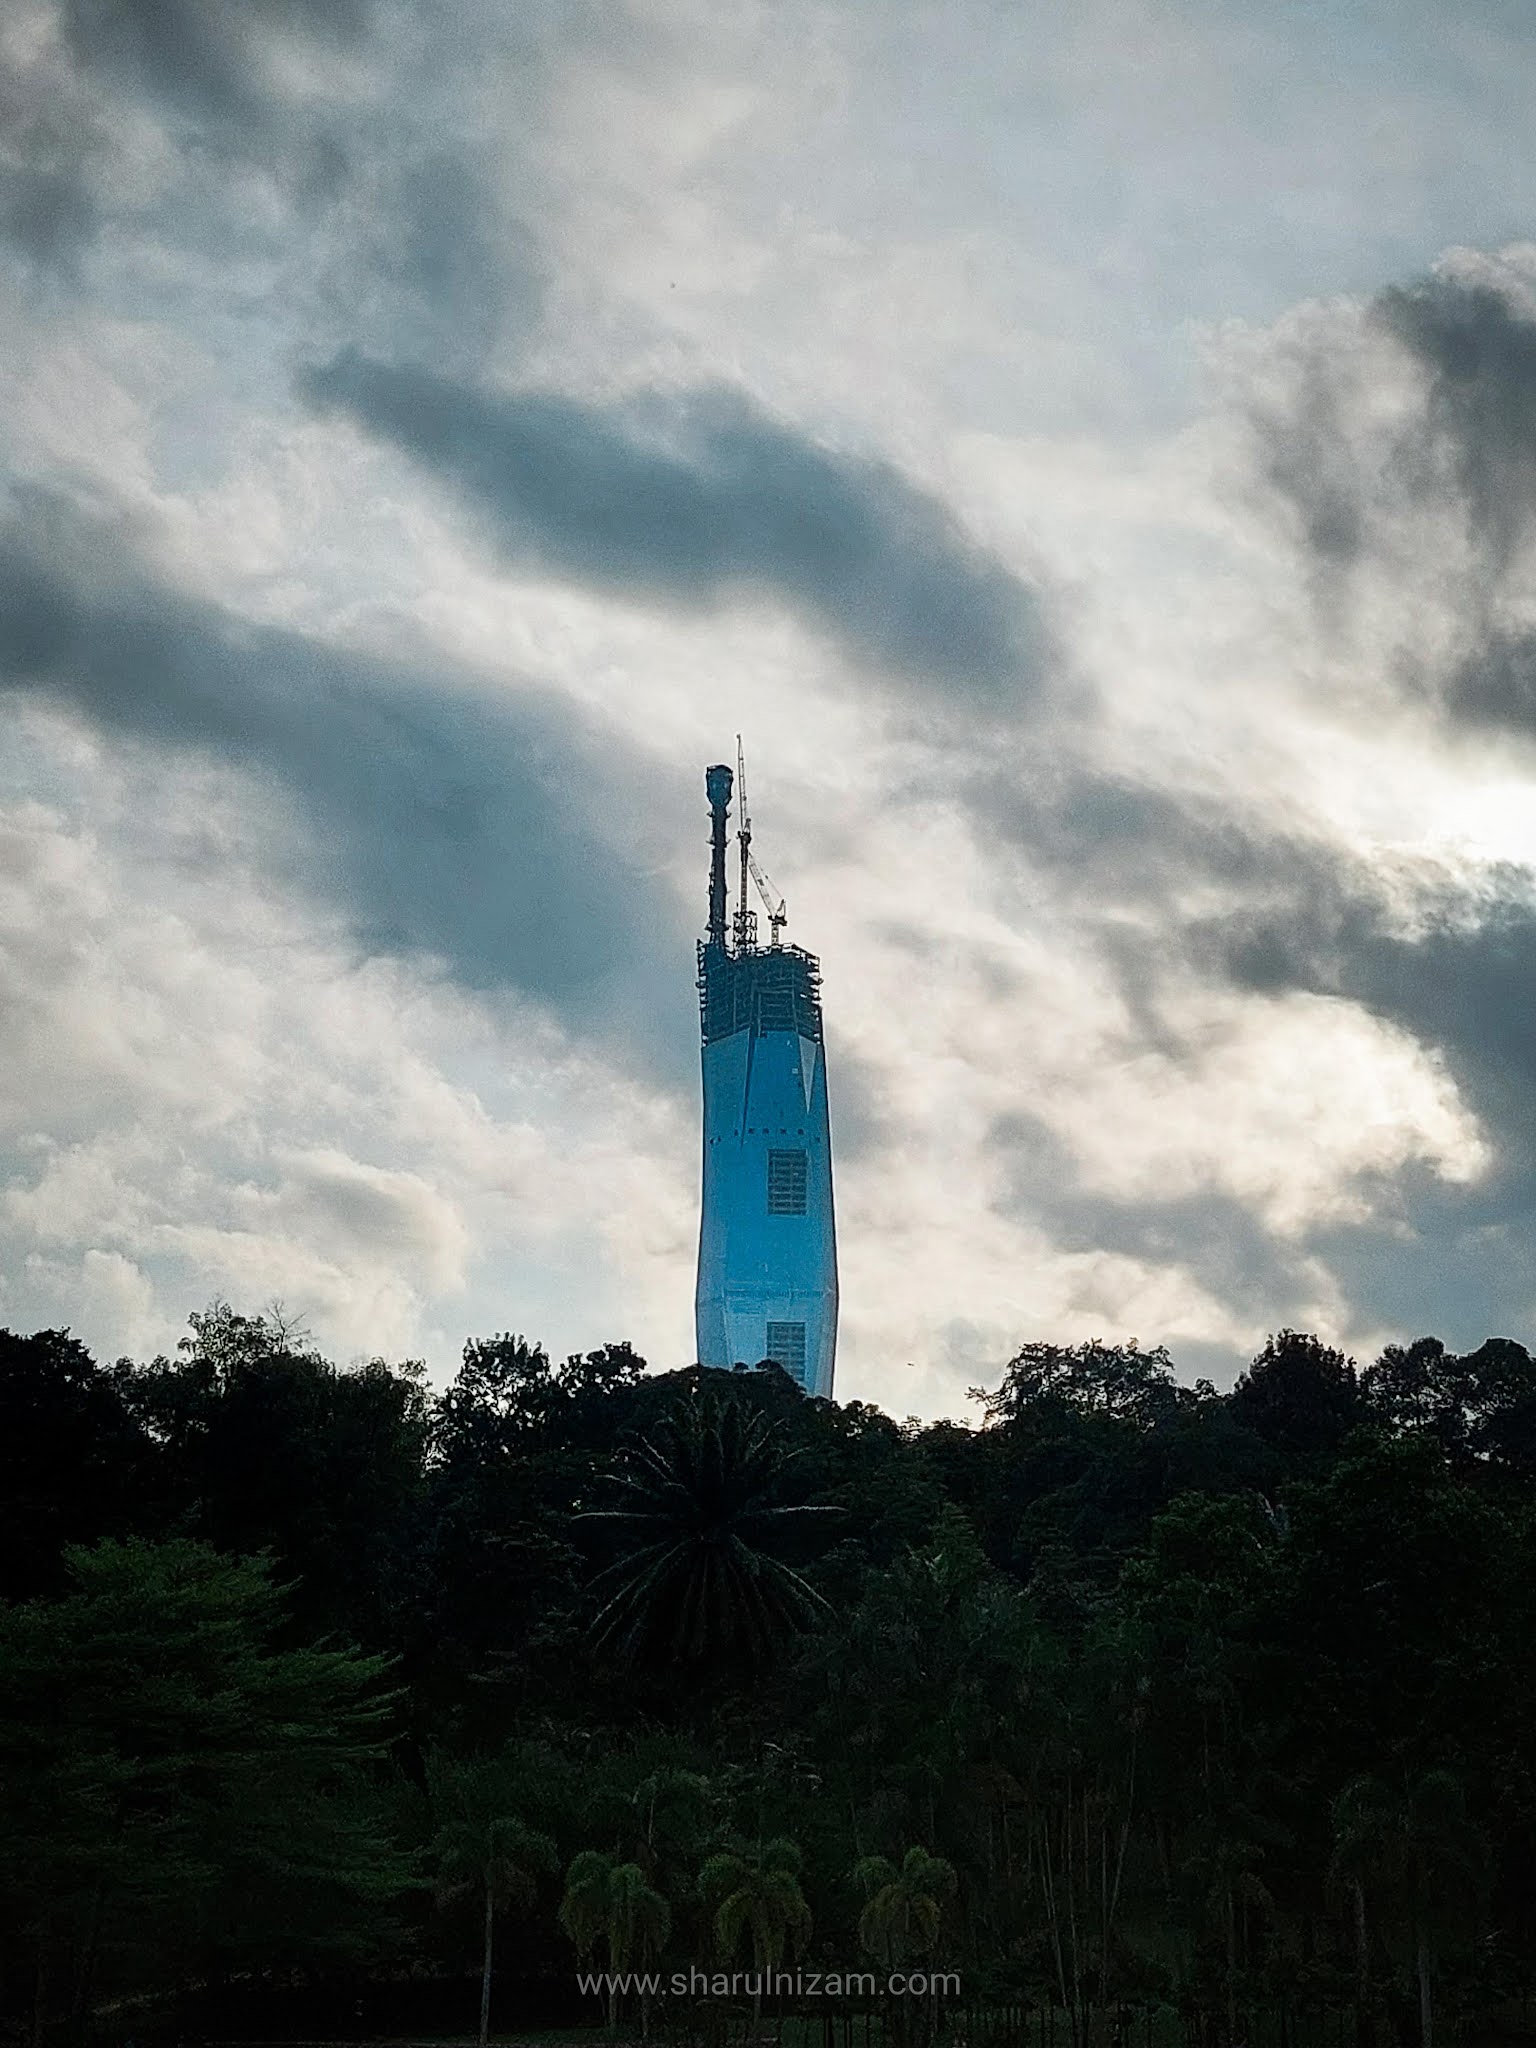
column 698, row 1508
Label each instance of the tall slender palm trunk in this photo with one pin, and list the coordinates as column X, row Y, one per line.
column 86, row 1968
column 1053, row 1916
column 1074, row 2013
column 41, row 1988
column 1364, row 2025
column 485, row 1971
column 1426, row 2018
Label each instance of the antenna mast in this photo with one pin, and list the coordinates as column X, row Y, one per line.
column 744, row 930
column 773, row 902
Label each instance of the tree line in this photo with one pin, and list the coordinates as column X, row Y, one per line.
column 1131, row 1694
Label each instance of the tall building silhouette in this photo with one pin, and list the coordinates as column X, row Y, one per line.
column 767, row 1247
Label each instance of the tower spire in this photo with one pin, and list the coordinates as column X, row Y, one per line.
column 717, row 783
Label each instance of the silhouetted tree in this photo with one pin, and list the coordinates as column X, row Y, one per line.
column 75, row 1463
column 1215, row 1700
column 699, row 1505
column 1301, row 1397
column 175, row 1790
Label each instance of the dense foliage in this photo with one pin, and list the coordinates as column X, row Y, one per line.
column 1134, row 1692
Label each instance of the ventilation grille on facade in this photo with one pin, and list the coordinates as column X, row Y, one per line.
column 786, row 1184
column 786, row 1347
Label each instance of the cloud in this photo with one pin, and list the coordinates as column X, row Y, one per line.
column 1327, row 1110
column 1474, row 336
column 427, row 266
column 310, row 143
column 1207, row 1232
column 1110, row 840
column 1400, row 437
column 1495, row 684
column 442, row 815
column 48, row 215
column 1138, row 919
column 697, row 499
column 204, row 58
column 1178, row 886
column 203, row 1082
column 173, row 113
column 1307, row 460
column 1458, row 971
column 1397, row 439
column 50, row 142
column 348, row 1209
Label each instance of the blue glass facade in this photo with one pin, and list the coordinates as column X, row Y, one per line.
column 767, row 1285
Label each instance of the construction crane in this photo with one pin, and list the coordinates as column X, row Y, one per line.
column 773, row 902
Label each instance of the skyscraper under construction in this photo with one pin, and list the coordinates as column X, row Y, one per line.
column 767, row 1248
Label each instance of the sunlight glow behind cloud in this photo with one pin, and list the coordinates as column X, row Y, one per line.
column 1099, row 485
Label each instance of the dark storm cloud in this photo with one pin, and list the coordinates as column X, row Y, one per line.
column 427, row 267
column 1495, row 685
column 1110, row 840
column 202, row 58
column 48, row 215
column 1173, row 889
column 1468, row 444
column 1118, row 854
column 441, row 818
column 1454, row 967
column 389, row 227
column 50, row 137
column 1172, row 883
column 1306, row 457
column 1129, row 858
column 697, row 499
column 1479, row 351
column 1456, row 971
column 1459, row 975
column 1206, row 1233
column 1439, row 1258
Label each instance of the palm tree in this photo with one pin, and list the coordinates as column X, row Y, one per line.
column 757, row 1894
column 611, row 1902
column 672, row 1807
column 1228, row 1856
column 698, row 1509
column 904, row 1908
column 481, row 1846
column 903, row 1913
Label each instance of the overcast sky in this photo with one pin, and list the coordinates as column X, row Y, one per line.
column 1090, row 455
